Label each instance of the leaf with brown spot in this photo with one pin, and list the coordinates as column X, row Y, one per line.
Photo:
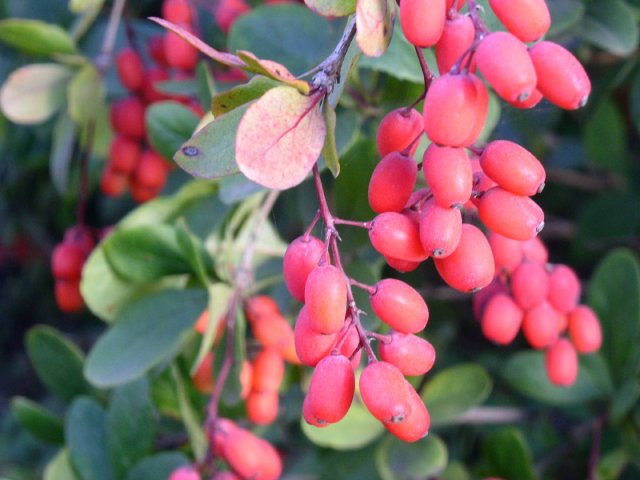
column 273, row 70
column 280, row 138
column 374, row 23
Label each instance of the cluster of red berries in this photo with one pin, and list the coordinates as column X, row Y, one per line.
column 132, row 162
column 67, row 261
column 248, row 456
column 540, row 299
column 228, row 11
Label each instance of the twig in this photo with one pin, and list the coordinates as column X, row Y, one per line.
column 103, row 61
column 594, row 455
column 329, row 69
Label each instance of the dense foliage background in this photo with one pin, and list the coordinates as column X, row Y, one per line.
column 493, row 411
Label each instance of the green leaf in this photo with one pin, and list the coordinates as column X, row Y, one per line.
column 87, row 440
column 399, row 61
column 35, row 37
column 130, row 425
column 211, row 152
column 398, row 460
column 634, row 101
column 455, row 390
column 332, row 8
column 164, row 395
column 612, row 464
column 526, row 373
column 143, row 254
column 86, row 95
column 565, row 14
column 610, row 25
column 149, row 331
column 190, row 418
column 194, row 252
column 280, row 138
column 508, row 455
column 169, row 125
column 57, row 361
column 357, row 429
column 242, row 94
column 158, row 466
column 329, row 149
column 607, row 219
column 375, row 25
column 60, row 468
column 33, row 93
column 37, row 421
column 80, row 6
column 64, row 139
column 614, row 293
column 605, row 138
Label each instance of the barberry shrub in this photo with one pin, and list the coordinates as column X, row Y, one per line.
column 358, row 249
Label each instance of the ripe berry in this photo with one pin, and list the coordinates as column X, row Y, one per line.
column 151, row 171
column 510, row 215
column 149, row 91
column 180, row 53
column 561, row 77
column 259, row 306
column 501, row 319
column 513, row 168
column 123, row 154
column 505, row 63
column 530, row 284
column 385, row 392
column 399, row 305
column 155, row 48
column 534, row 99
column 203, row 376
column 440, row 229
column 262, row 407
column 330, row 391
column 564, row 288
column 457, row 37
column 397, row 236
column 130, row 69
column 448, row 173
column 585, row 330
column 67, row 261
column 484, row 296
column 413, row 355
column 526, row 19
column 185, row 473
column 455, row 110
column 422, row 21
column 507, row 252
column 268, row 371
column 540, row 326
column 535, row 251
column 127, row 117
column 561, row 362
column 392, row 183
column 250, row 456
column 68, row 296
column 113, row 183
column 301, row 257
column 177, row 11
column 349, row 345
column 402, row 266
column 417, row 424
column 471, row 266
column 397, row 130
column 227, row 12
column 457, row 3
column 325, row 296
column 311, row 346
column 273, row 331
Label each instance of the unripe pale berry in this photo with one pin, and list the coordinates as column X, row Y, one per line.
column 505, row 63
column 413, row 355
column 440, row 229
column 564, row 288
column 130, row 69
column 448, row 173
column 399, row 305
column 397, row 130
column 513, row 216
column 471, row 266
column 301, row 257
column 330, row 391
column 422, row 21
column 311, row 346
column 417, row 424
column 397, row 236
column 530, row 285
column 457, row 37
column 585, row 330
column 526, row 19
column 385, row 392
column 325, row 296
column 540, row 326
column 392, row 183
column 501, row 319
column 561, row 362
column 513, row 167
column 561, row 78
column 507, row 252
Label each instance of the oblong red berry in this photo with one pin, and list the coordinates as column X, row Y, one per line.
column 112, row 182
column 540, row 326
column 413, row 355
column 585, row 330
column 151, row 171
column 301, row 257
column 526, row 19
column 67, row 261
column 68, row 296
column 417, row 424
column 149, row 91
column 177, row 11
column 505, row 63
column 534, row 99
column 268, row 371
column 330, row 391
column 392, row 183
column 178, row 52
column 513, row 167
column 127, row 117
column 311, row 346
column 535, row 251
column 513, row 216
column 325, row 296
column 185, row 473
column 402, row 266
column 124, row 154
column 457, row 37
column 481, row 298
column 250, row 456
column 422, row 21
column 561, row 78
column 530, row 284
column 260, row 306
column 262, row 407
column 130, row 69
column 564, row 288
column 448, row 173
column 274, row 331
column 507, row 252
column 385, row 392
column 397, row 236
column 440, row 229
column 455, row 109
column 471, row 266
column 397, row 130
column 561, row 363
column 399, row 305
column 349, row 346
column 501, row 319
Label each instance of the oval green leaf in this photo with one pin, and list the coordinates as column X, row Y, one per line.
column 398, row 460
column 169, row 125
column 36, row 37
column 508, row 455
column 610, row 25
column 37, row 421
column 158, row 466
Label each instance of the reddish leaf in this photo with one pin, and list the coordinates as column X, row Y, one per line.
column 374, row 22
column 280, row 138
